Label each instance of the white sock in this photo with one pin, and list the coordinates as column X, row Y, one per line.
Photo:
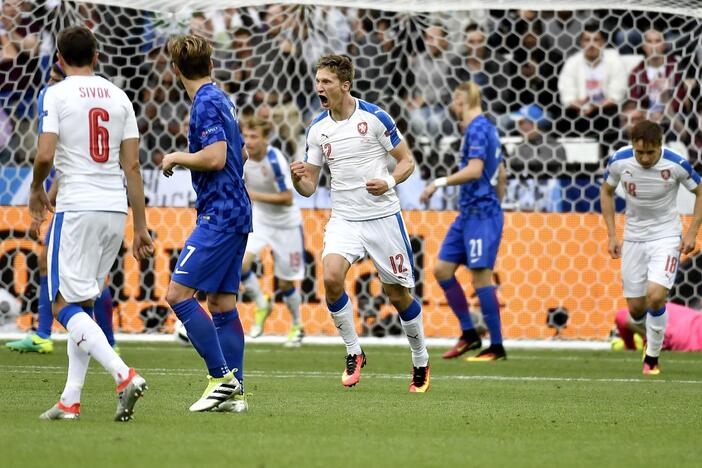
column 343, row 320
column 414, row 329
column 78, row 362
column 655, row 332
column 88, row 337
column 293, row 302
column 253, row 289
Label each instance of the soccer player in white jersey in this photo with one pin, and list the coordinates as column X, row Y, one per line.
column 354, row 138
column 277, row 223
column 89, row 125
column 653, row 241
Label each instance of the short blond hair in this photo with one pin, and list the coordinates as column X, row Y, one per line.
column 192, row 54
column 256, row 122
column 473, row 92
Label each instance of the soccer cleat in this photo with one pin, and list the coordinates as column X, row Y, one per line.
column 128, row 392
column 262, row 314
column 238, row 404
column 60, row 411
column 421, row 379
column 32, row 344
column 650, row 365
column 491, row 353
column 352, row 373
column 217, row 392
column 461, row 347
column 295, row 336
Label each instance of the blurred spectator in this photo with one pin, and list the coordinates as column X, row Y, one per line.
column 591, row 84
column 490, row 72
column 539, row 154
column 431, row 95
column 564, row 27
column 629, row 115
column 287, row 121
column 656, row 84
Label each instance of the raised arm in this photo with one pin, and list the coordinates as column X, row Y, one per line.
column 614, row 247
column 305, row 177
column 403, row 169
column 142, row 246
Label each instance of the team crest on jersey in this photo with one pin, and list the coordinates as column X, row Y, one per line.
column 362, row 128
column 665, row 174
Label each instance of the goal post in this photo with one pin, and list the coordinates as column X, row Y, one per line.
column 409, row 55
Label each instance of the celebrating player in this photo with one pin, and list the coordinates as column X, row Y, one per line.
column 474, row 237
column 354, row 138
column 211, row 257
column 277, row 223
column 89, row 124
column 650, row 176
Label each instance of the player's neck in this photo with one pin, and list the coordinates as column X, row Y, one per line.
column 257, row 156
column 192, row 86
column 78, row 71
column 469, row 115
column 345, row 109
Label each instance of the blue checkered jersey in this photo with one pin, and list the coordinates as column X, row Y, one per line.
column 478, row 197
column 222, row 202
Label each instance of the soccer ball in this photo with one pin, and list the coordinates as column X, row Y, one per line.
column 9, row 307
column 180, row 334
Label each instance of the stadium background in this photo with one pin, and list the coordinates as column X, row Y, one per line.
column 553, row 252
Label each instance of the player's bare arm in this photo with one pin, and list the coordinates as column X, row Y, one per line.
column 614, row 246
column 283, row 198
column 472, row 171
column 501, row 182
column 39, row 202
column 688, row 242
column 211, row 158
column 142, row 246
column 403, row 169
column 305, row 177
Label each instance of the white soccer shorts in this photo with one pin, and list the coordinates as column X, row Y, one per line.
column 656, row 261
column 83, row 246
column 288, row 248
column 384, row 240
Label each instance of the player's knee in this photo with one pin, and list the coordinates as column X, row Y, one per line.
column 399, row 297
column 441, row 273
column 656, row 301
column 333, row 284
column 176, row 295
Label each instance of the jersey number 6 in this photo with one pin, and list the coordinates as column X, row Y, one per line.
column 99, row 136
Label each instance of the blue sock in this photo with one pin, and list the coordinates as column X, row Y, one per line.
column 231, row 340
column 202, row 334
column 65, row 315
column 456, row 299
column 46, row 317
column 103, row 315
column 491, row 312
column 411, row 312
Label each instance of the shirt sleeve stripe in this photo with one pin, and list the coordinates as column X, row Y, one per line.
column 277, row 171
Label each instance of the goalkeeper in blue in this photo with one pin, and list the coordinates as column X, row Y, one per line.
column 40, row 341
column 212, row 256
column 474, row 237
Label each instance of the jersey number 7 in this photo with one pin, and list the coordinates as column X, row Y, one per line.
column 99, row 136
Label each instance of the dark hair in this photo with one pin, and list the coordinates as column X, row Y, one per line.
column 77, row 45
column 592, row 27
column 192, row 54
column 647, row 131
column 340, row 65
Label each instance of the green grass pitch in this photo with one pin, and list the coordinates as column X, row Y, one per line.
column 539, row 408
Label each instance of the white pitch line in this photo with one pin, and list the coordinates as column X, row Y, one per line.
column 316, row 374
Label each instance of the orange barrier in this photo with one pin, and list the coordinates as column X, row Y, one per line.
column 545, row 260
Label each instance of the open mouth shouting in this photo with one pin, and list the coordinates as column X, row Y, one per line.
column 324, row 100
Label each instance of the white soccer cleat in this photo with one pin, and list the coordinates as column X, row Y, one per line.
column 217, row 392
column 61, row 412
column 129, row 392
column 238, row 404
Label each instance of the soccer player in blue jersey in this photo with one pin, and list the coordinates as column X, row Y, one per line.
column 474, row 237
column 653, row 233
column 211, row 258
column 40, row 341
column 355, row 139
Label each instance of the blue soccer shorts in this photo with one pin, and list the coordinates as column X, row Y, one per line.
column 473, row 242
column 211, row 261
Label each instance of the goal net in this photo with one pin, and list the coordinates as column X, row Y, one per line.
column 558, row 122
